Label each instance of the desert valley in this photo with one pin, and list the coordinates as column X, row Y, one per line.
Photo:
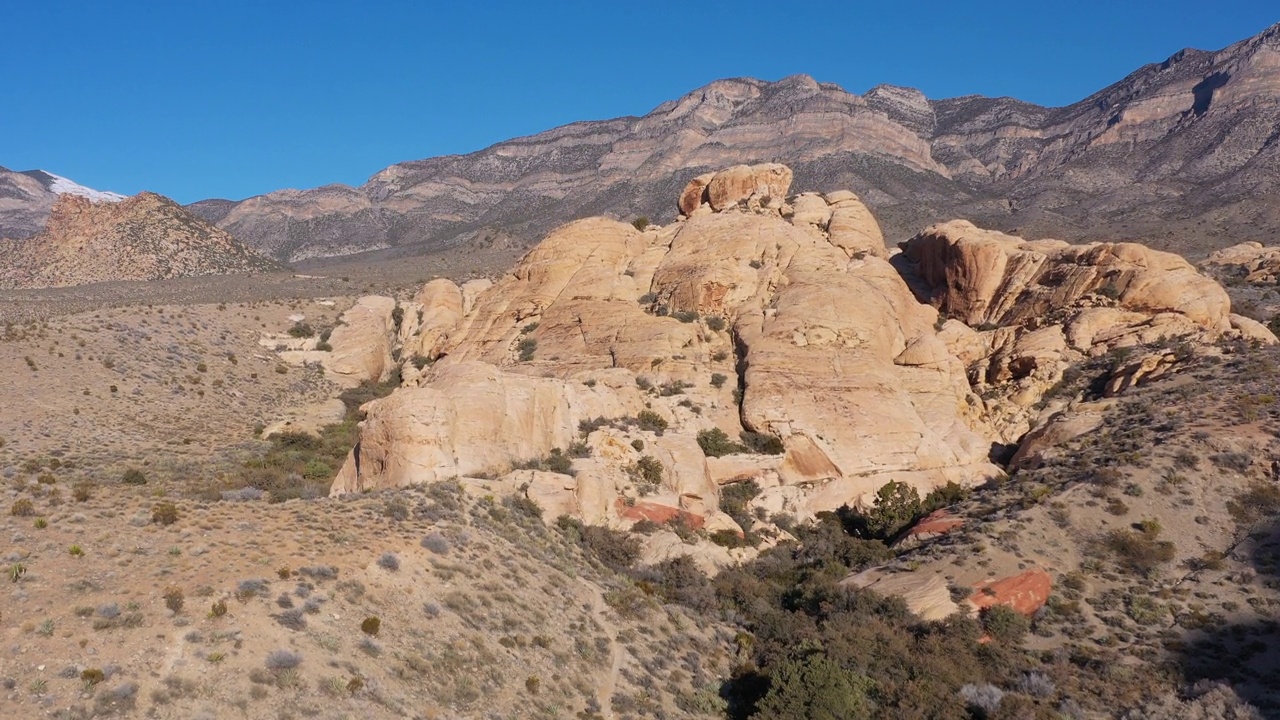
column 776, row 402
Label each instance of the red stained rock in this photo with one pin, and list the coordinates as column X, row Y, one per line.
column 1025, row 592
column 660, row 514
column 938, row 522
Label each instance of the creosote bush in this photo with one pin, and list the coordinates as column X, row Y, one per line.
column 22, row 507
column 165, row 513
column 371, row 626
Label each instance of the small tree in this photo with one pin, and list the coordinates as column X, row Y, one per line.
column 897, row 504
column 640, row 223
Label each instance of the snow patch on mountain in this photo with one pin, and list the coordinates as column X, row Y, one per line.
column 63, row 186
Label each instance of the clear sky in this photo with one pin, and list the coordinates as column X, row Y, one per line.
column 228, row 98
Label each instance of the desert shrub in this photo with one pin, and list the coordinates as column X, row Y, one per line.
column 672, row 388
column 895, row 507
column 248, row 589
column 164, row 513
column 734, row 498
column 301, row 330
column 640, row 223
column 389, row 561
column 651, row 421
column 982, row 698
column 319, row 572
column 371, row 625
column 22, row 507
column 944, row 496
column 283, row 660
column 92, row 676
column 1259, row 501
column 174, row 598
column 556, row 462
column 679, row 580
column 579, row 449
column 685, row 316
column 1139, row 552
column 133, row 476
column 82, row 491
column 615, row 549
column 436, row 543
column 715, row 323
column 715, row 443
column 1235, row 461
column 728, row 538
column 762, row 443
column 244, row 494
column 527, row 347
column 317, row 469
column 815, row 687
column 1004, row 624
column 646, row 471
column 718, row 380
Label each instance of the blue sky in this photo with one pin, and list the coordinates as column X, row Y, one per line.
column 197, row 99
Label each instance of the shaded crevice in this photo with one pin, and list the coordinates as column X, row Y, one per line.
column 740, row 365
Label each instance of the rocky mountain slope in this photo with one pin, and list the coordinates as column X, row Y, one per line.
column 1181, row 153
column 146, row 237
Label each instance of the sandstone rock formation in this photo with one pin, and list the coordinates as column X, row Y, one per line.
column 146, row 237
column 585, row 377
column 1251, row 262
column 1028, row 310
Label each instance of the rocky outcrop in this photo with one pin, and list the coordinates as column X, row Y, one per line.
column 603, row 321
column 363, row 341
column 1250, row 262
column 146, row 237
column 585, row 377
column 1028, row 310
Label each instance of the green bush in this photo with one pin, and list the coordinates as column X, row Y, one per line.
column 815, row 688
column 715, row 443
column 762, row 443
column 651, row 421
column 718, row 380
column 1005, row 625
column 301, row 330
column 897, row 505
column 640, row 223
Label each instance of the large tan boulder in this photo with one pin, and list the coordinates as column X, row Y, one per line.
column 768, row 184
column 926, row 594
column 852, row 227
column 440, row 306
column 362, row 342
column 694, row 194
